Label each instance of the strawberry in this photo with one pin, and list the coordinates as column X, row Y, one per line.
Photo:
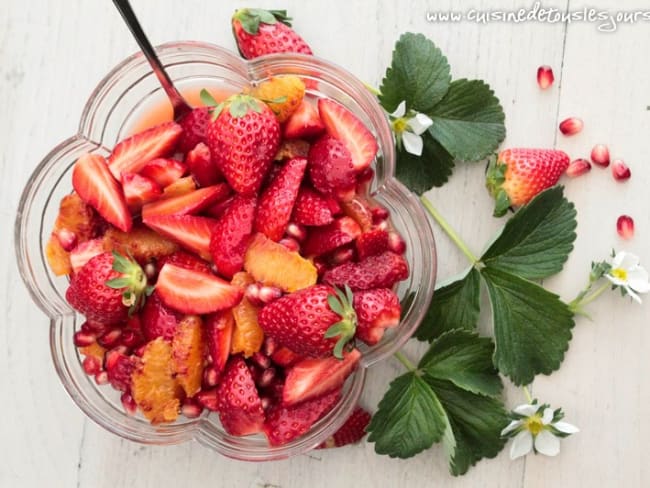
column 331, row 169
column 84, row 252
column 285, row 357
column 119, row 368
column 307, row 321
column 260, row 32
column 243, row 140
column 185, row 260
column 304, row 123
column 313, row 377
column 106, row 287
column 376, row 310
column 239, row 404
column 282, row 93
column 194, row 292
column 515, row 176
column 286, row 423
column 343, row 125
column 139, row 190
column 133, row 153
column 231, row 235
column 277, row 200
column 158, row 320
column 313, row 209
column 193, row 233
column 189, row 203
column 372, row 243
column 324, row 239
column 94, row 184
column 164, row 171
column 195, row 125
column 208, row 399
column 351, row 432
column 200, row 163
column 218, row 329
column 380, row 271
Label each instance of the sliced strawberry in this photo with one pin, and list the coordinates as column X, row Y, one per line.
column 158, row 320
column 313, row 209
column 331, row 169
column 189, row 203
column 164, row 171
column 133, row 153
column 381, row 271
column 190, row 291
column 372, row 243
column 276, row 203
column 185, row 260
column 376, row 310
column 324, row 239
column 311, row 378
column 304, row 123
column 94, row 184
column 139, row 190
column 285, row 357
column 286, row 423
column 351, row 432
column 195, row 125
column 200, row 163
column 343, row 125
column 219, row 327
column 218, row 209
column 119, row 368
column 193, row 233
column 239, row 404
column 84, row 252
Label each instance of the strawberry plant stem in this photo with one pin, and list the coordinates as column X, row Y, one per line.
column 404, row 360
column 576, row 305
column 449, row 231
column 529, row 397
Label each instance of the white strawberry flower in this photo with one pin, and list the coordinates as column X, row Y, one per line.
column 626, row 273
column 409, row 128
column 537, row 428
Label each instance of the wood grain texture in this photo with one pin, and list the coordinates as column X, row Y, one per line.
column 52, row 56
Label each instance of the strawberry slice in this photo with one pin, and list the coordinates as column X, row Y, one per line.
column 200, row 163
column 351, row 432
column 311, row 378
column 284, row 424
column 185, row 260
column 139, row 190
column 194, row 292
column 219, row 327
column 304, row 123
column 380, row 271
column 189, row 203
column 94, row 184
column 343, row 125
column 84, row 252
column 324, row 239
column 372, row 243
column 158, row 320
column 193, row 233
column 164, row 171
column 239, row 404
column 133, row 153
column 276, row 203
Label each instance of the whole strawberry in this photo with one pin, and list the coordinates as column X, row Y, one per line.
column 107, row 287
column 243, row 140
column 307, row 321
column 260, row 32
column 517, row 175
column 351, row 432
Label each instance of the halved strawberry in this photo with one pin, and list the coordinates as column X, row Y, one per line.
column 311, row 378
column 185, row 260
column 372, row 243
column 194, row 292
column 380, row 271
column 158, row 320
column 200, row 163
column 324, row 239
column 331, row 169
column 133, row 153
column 193, row 233
column 304, row 123
column 218, row 328
column 286, row 423
column 139, row 190
column 84, row 252
column 164, row 171
column 351, row 432
column 376, row 310
column 96, row 186
column 313, row 209
column 190, row 203
column 195, row 125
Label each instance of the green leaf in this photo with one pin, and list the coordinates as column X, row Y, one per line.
column 420, row 173
column 476, row 422
column 418, row 75
column 207, row 99
column 532, row 326
column 250, row 18
column 409, row 418
column 468, row 121
column 118, row 283
column 454, row 306
column 536, row 242
column 465, row 359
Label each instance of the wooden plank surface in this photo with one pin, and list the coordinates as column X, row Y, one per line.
column 52, row 54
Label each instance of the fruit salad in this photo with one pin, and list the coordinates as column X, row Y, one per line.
column 232, row 261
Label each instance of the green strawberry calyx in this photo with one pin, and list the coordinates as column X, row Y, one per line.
column 133, row 281
column 250, row 18
column 344, row 329
column 238, row 105
column 494, row 178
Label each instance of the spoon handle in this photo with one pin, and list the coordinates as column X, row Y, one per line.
column 181, row 107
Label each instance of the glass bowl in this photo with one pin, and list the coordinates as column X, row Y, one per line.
column 114, row 108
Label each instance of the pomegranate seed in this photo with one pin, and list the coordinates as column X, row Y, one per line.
column 214, row 269
column 297, row 231
column 110, row 338
column 341, row 256
column 600, row 155
column 83, row 339
column 320, row 265
column 268, row 294
column 252, row 293
column 269, row 346
column 383, row 225
column 290, row 243
column 101, row 378
column 128, row 403
column 545, row 76
column 261, row 360
column 625, row 227
column 571, row 126
column 67, row 239
column 91, row 365
column 266, row 402
column 191, row 409
column 396, row 243
column 210, row 377
column 266, row 378
column 140, row 350
column 150, row 270
column 379, row 214
column 90, row 326
column 620, row 170
column 578, row 168
column 130, row 339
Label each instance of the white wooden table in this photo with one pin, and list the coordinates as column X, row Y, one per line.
column 53, row 53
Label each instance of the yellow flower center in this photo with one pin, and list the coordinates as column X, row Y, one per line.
column 400, row 125
column 534, row 424
column 619, row 273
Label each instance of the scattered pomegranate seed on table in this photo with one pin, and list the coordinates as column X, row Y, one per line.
column 620, row 170
column 571, row 126
column 545, row 77
column 625, row 227
column 600, row 155
column 578, row 168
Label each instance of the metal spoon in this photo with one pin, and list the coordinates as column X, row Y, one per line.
column 180, row 106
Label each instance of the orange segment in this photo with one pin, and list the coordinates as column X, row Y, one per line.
column 153, row 386
column 182, row 186
column 289, row 90
column 248, row 336
column 57, row 257
column 142, row 243
column 187, row 354
column 94, row 350
column 275, row 265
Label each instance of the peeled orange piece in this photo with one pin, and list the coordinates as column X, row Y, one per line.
column 282, row 94
column 247, row 337
column 94, row 350
column 187, row 354
column 181, row 186
column 142, row 243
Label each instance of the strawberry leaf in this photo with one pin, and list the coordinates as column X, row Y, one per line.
column 250, row 18
column 420, row 173
column 207, row 99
